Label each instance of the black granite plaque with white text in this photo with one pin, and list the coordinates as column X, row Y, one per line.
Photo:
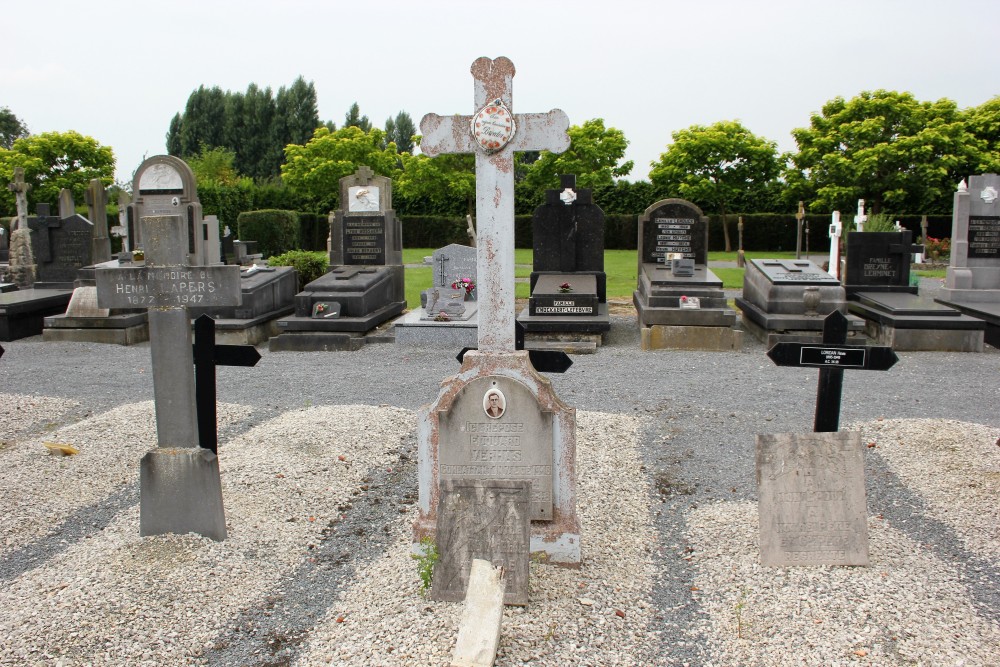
column 364, row 240
column 984, row 237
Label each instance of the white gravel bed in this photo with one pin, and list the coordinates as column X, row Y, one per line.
column 594, row 615
column 954, row 466
column 907, row 608
column 19, row 413
column 113, row 598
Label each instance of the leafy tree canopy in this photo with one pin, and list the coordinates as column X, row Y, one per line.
column 401, row 130
column 438, row 180
column 594, row 155
column 720, row 167
column 315, row 168
column 215, row 166
column 11, row 128
column 887, row 148
column 53, row 161
column 353, row 118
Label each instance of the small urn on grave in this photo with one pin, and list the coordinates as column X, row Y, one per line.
column 810, row 299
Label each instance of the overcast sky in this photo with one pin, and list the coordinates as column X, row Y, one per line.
column 118, row 71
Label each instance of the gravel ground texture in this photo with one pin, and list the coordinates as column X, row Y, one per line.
column 318, row 451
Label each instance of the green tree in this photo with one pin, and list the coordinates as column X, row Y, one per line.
column 594, row 155
column 885, row 147
column 721, row 167
column 314, row 169
column 401, row 131
column 204, row 121
column 174, row 136
column 11, row 128
column 215, row 166
column 53, row 161
column 443, row 184
column 983, row 122
column 253, row 150
column 296, row 117
column 353, row 118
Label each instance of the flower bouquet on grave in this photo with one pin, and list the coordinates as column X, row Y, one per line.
column 565, row 287
column 442, row 316
column 466, row 284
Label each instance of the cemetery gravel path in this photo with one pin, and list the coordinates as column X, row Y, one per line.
column 699, row 413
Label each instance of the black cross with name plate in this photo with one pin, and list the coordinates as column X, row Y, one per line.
column 832, row 357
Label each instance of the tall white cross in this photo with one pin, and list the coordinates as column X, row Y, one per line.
column 860, row 219
column 494, row 134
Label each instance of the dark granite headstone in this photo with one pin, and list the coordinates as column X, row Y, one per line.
column 568, row 230
column 485, row 519
column 563, row 294
column 4, row 245
column 880, row 259
column 61, row 245
column 675, row 226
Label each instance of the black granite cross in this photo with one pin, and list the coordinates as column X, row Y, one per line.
column 208, row 355
column 832, row 357
column 48, row 222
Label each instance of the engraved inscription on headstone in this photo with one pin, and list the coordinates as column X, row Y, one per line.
column 516, row 445
column 484, row 519
column 675, row 227
column 984, row 236
column 812, row 499
column 201, row 286
column 364, row 240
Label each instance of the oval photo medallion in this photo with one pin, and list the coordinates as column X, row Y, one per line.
column 493, row 127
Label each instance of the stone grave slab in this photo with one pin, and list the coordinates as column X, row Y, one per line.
column 366, row 272
column 677, row 229
column 23, row 312
column 482, row 519
column 61, row 247
column 787, row 299
column 812, row 499
column 453, row 263
column 479, row 629
column 972, row 284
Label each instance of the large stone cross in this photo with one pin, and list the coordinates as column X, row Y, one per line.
column 180, row 489
column 494, row 134
column 20, row 190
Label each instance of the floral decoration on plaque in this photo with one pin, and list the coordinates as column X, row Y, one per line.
column 493, row 127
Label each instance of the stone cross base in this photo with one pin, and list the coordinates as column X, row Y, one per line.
column 22, row 263
column 559, row 537
column 181, row 492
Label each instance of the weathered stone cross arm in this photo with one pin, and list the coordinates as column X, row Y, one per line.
column 450, row 134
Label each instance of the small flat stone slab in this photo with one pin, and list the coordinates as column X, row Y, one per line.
column 812, row 499
column 482, row 519
column 479, row 632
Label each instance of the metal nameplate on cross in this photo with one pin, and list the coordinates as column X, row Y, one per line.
column 832, row 357
column 494, row 133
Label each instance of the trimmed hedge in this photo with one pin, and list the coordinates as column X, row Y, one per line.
column 310, row 264
column 274, row 231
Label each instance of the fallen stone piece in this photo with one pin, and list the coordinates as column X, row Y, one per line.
column 479, row 632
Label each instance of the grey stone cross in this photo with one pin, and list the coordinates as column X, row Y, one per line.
column 180, row 488
column 494, row 147
column 20, row 190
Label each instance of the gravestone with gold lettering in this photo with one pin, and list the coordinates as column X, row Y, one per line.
column 498, row 420
column 364, row 285
column 180, row 488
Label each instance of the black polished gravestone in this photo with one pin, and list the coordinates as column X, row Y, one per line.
column 878, row 288
column 568, row 303
column 366, row 273
column 832, row 357
column 673, row 258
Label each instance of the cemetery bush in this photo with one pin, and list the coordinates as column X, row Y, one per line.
column 310, row 264
column 274, row 231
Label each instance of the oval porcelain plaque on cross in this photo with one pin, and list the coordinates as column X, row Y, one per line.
column 493, row 127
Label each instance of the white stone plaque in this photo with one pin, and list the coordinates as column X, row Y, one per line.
column 160, row 177
column 362, row 198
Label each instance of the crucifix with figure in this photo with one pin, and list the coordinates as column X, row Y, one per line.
column 494, row 133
